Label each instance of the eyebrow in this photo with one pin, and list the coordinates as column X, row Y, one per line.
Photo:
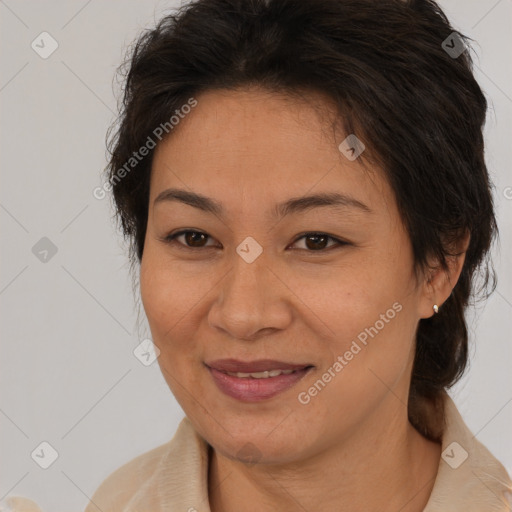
column 293, row 205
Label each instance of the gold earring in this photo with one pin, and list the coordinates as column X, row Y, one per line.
column 435, row 308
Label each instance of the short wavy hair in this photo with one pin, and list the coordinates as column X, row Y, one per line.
column 388, row 68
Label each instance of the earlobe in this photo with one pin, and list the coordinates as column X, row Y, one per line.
column 436, row 290
column 439, row 282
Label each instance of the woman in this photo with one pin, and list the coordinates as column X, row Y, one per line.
column 308, row 227
column 304, row 187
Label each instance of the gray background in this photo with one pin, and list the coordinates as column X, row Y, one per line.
column 69, row 325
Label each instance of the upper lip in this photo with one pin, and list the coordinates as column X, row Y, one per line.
column 260, row 365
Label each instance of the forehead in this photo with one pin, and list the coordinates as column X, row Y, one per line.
column 255, row 143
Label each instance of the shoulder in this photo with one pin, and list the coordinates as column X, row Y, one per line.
column 469, row 478
column 141, row 477
column 18, row 504
column 122, row 484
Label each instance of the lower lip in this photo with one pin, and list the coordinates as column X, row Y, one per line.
column 254, row 390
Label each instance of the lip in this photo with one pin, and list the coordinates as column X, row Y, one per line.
column 260, row 365
column 251, row 389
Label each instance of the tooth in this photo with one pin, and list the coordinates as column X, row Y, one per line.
column 260, row 375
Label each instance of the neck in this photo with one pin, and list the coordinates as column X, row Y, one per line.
column 388, row 468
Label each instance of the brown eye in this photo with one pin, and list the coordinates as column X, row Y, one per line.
column 195, row 239
column 318, row 242
column 189, row 239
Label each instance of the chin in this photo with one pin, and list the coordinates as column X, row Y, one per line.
column 250, row 444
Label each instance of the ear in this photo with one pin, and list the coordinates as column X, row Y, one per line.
column 438, row 283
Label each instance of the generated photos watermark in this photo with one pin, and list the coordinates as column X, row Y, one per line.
column 158, row 133
column 304, row 397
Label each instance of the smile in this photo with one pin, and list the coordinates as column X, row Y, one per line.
column 261, row 380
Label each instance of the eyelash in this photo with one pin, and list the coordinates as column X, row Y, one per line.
column 171, row 239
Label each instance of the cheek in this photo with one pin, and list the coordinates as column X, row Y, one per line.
column 369, row 355
column 164, row 291
column 352, row 297
column 155, row 292
column 165, row 297
column 368, row 308
column 169, row 306
column 176, row 296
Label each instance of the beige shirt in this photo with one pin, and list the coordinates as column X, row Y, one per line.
column 174, row 477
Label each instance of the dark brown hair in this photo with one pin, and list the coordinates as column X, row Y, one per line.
column 414, row 103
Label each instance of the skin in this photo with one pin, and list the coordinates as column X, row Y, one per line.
column 351, row 447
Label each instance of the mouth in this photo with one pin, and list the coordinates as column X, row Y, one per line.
column 255, row 381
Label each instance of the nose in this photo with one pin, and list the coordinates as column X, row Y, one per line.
column 252, row 302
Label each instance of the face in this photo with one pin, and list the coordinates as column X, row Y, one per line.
column 267, row 247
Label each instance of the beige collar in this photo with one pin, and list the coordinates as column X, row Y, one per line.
column 469, row 478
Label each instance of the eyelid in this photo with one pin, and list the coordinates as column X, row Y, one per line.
column 170, row 238
column 338, row 242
